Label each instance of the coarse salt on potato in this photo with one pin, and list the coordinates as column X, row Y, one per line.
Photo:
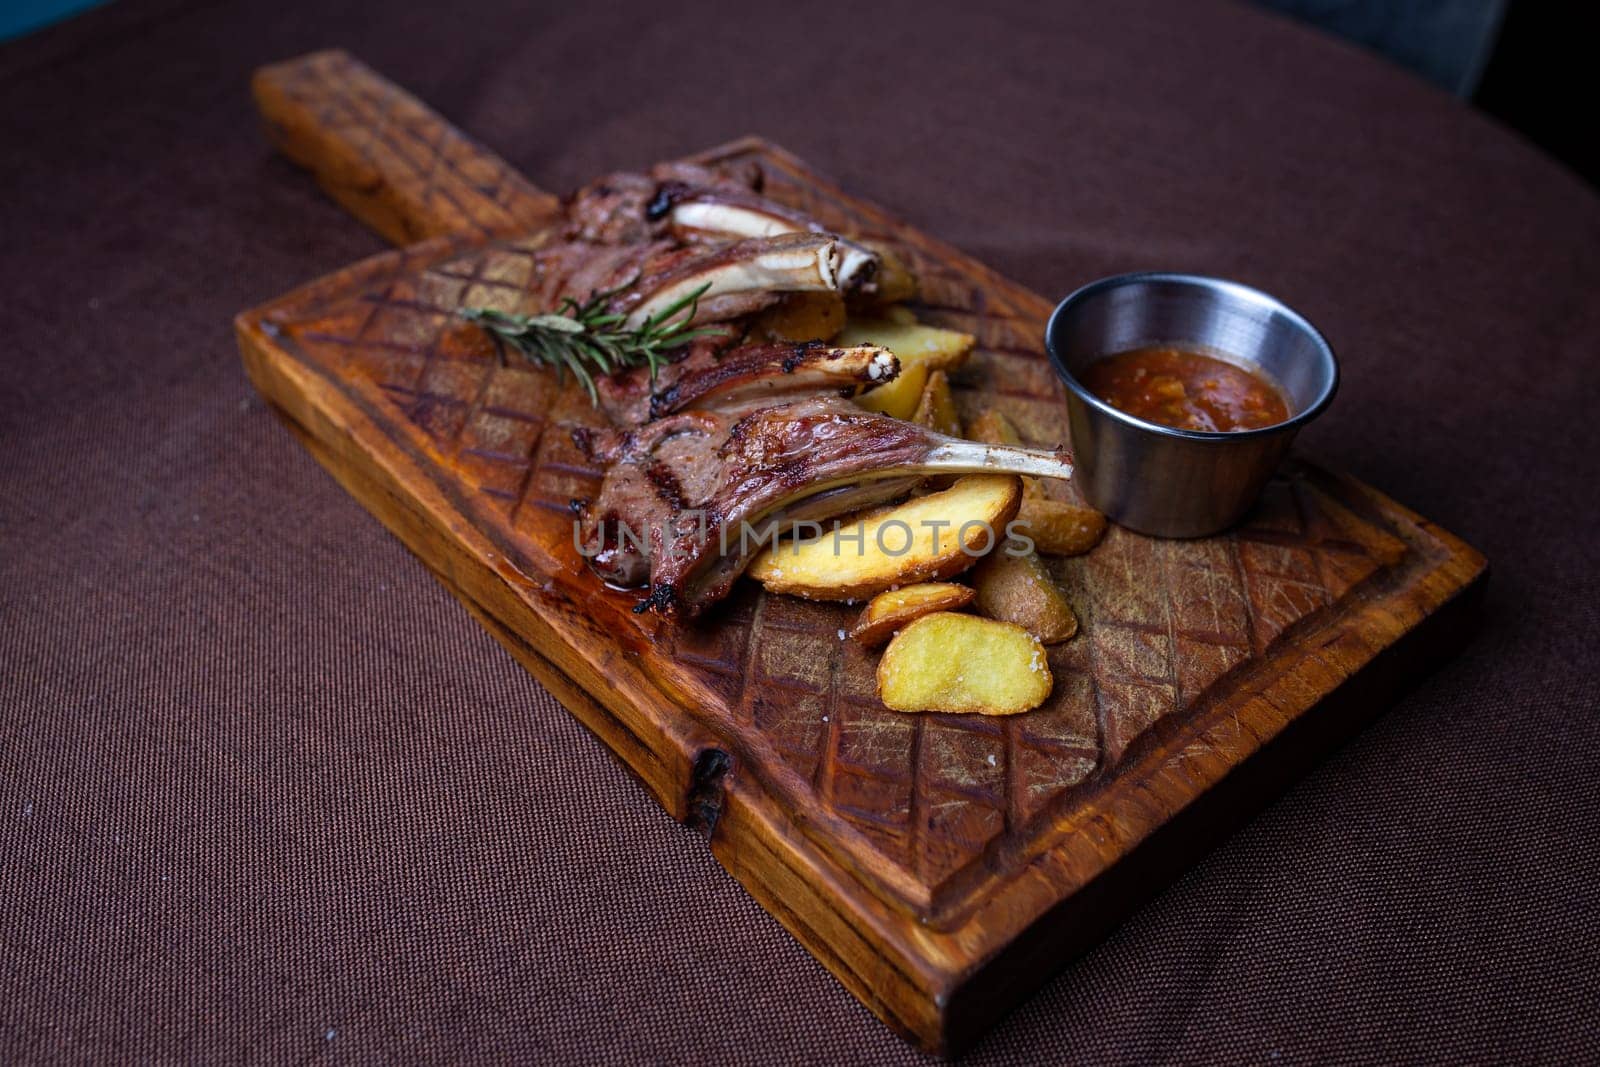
column 963, row 664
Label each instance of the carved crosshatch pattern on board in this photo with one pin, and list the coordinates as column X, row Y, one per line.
column 449, row 184
column 1161, row 621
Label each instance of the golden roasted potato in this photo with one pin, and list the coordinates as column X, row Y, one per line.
column 1058, row 528
column 913, row 342
column 899, row 396
column 801, row 317
column 936, row 409
column 921, row 350
column 961, row 663
column 925, row 539
column 890, row 610
column 1018, row 589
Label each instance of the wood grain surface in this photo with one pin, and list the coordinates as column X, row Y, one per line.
column 386, row 157
column 941, row 866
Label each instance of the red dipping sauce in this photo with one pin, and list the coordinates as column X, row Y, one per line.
column 1185, row 390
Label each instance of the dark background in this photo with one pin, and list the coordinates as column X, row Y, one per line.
column 267, row 793
column 1537, row 81
column 1525, row 62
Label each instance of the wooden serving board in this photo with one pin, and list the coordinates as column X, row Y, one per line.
column 941, row 866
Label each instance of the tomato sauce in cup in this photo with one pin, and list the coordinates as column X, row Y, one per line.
column 1185, row 390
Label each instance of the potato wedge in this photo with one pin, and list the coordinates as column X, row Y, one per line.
column 961, row 663
column 1018, row 589
column 1058, row 528
column 894, row 608
column 897, row 397
column 936, row 409
column 925, row 539
column 928, row 346
column 801, row 317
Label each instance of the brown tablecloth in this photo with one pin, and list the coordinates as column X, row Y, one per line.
column 266, row 791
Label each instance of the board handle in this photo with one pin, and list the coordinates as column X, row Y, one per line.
column 389, row 159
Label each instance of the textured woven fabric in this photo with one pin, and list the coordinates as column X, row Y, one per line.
column 268, row 793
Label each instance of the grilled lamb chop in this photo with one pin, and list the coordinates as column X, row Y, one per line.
column 742, row 379
column 689, row 483
column 698, row 205
column 641, row 280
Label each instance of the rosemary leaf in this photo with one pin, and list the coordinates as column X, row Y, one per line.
column 586, row 338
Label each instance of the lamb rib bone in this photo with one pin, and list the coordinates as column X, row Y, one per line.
column 733, row 279
column 722, row 214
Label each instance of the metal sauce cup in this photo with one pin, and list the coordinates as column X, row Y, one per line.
column 1183, row 483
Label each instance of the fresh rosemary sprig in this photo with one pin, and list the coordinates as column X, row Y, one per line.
column 586, row 338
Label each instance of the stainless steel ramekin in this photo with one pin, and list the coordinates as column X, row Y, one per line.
column 1183, row 483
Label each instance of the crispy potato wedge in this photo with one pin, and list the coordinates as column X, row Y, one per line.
column 894, row 608
column 914, row 343
column 936, row 408
column 1018, row 589
column 801, row 317
column 961, row 663
column 899, row 396
column 925, row 539
column 1058, row 528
